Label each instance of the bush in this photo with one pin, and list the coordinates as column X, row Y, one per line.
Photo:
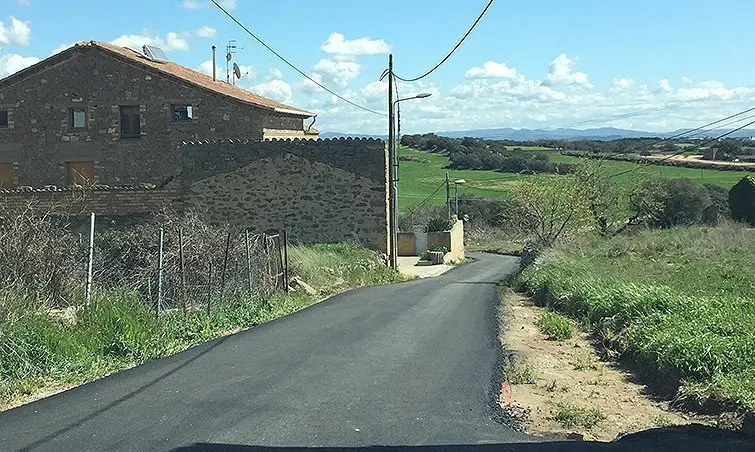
column 742, row 201
column 555, row 326
column 670, row 202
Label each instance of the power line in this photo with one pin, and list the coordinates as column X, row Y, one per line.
column 638, row 113
column 655, row 162
column 412, row 210
column 294, row 67
column 458, row 44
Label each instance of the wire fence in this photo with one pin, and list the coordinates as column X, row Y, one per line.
column 170, row 262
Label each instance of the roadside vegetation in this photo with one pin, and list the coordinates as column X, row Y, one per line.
column 50, row 339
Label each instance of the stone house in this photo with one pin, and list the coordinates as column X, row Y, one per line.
column 102, row 114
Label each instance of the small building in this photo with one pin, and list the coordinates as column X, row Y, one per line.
column 99, row 113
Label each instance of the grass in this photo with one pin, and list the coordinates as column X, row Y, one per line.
column 417, row 181
column 677, row 302
column 38, row 350
column 570, row 416
column 555, row 326
column 518, row 372
column 725, row 179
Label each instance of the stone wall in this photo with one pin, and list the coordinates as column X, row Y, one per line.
column 114, row 202
column 321, row 191
column 39, row 139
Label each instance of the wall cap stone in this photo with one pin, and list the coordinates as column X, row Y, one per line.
column 283, row 140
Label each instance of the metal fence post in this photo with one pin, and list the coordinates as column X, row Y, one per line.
column 91, row 259
column 160, row 274
column 209, row 285
column 248, row 260
column 285, row 259
column 225, row 265
column 183, row 268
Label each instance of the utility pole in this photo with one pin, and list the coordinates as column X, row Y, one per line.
column 392, row 221
column 448, row 196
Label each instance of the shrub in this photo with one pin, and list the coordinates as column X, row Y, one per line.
column 570, row 416
column 670, row 202
column 742, row 201
column 555, row 326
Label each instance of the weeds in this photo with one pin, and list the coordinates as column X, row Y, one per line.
column 519, row 373
column 555, row 326
column 677, row 301
column 570, row 416
column 40, row 347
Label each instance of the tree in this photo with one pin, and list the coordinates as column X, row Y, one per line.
column 670, row 202
column 742, row 200
column 728, row 149
column 546, row 210
column 601, row 197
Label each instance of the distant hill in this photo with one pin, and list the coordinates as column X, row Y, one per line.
column 603, row 133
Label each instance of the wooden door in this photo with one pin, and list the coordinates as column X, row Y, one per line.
column 6, row 175
column 80, row 173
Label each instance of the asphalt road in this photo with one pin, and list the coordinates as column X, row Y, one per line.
column 407, row 364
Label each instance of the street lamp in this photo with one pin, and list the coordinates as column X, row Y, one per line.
column 457, row 182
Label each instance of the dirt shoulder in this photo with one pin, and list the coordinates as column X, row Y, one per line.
column 562, row 387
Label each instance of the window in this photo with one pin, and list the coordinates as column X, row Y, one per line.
column 80, row 173
column 182, row 113
column 3, row 118
column 130, row 122
column 77, row 118
column 6, row 176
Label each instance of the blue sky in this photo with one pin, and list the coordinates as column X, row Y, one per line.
column 546, row 63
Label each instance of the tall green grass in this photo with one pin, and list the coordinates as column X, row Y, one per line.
column 679, row 302
column 39, row 349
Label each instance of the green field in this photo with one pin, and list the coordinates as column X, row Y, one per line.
column 677, row 303
column 418, row 181
column 705, row 176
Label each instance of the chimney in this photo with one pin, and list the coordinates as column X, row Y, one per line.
column 214, row 68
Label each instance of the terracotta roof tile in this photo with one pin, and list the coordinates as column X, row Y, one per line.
column 196, row 78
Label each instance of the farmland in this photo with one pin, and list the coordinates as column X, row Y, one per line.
column 419, row 180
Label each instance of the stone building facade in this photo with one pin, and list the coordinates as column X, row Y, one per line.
column 108, row 115
column 320, row 191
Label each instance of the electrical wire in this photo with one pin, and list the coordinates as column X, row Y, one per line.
column 458, row 44
column 305, row 75
column 412, row 210
column 655, row 162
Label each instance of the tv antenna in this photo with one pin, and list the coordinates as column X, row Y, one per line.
column 229, row 51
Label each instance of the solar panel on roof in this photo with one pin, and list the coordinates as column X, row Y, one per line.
column 155, row 53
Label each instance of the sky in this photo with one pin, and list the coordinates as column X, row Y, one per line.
column 663, row 64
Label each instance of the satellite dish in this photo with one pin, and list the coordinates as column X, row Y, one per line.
column 237, row 70
column 229, row 56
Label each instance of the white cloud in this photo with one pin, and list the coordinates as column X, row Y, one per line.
column 274, row 73
column 687, row 80
column 206, row 68
column 664, row 86
column 337, row 72
column 196, row 4
column 622, row 83
column 277, row 90
column 62, row 47
column 206, row 32
column 12, row 63
column 172, row 41
column 561, row 72
column 337, row 44
column 16, row 32
column 491, row 69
